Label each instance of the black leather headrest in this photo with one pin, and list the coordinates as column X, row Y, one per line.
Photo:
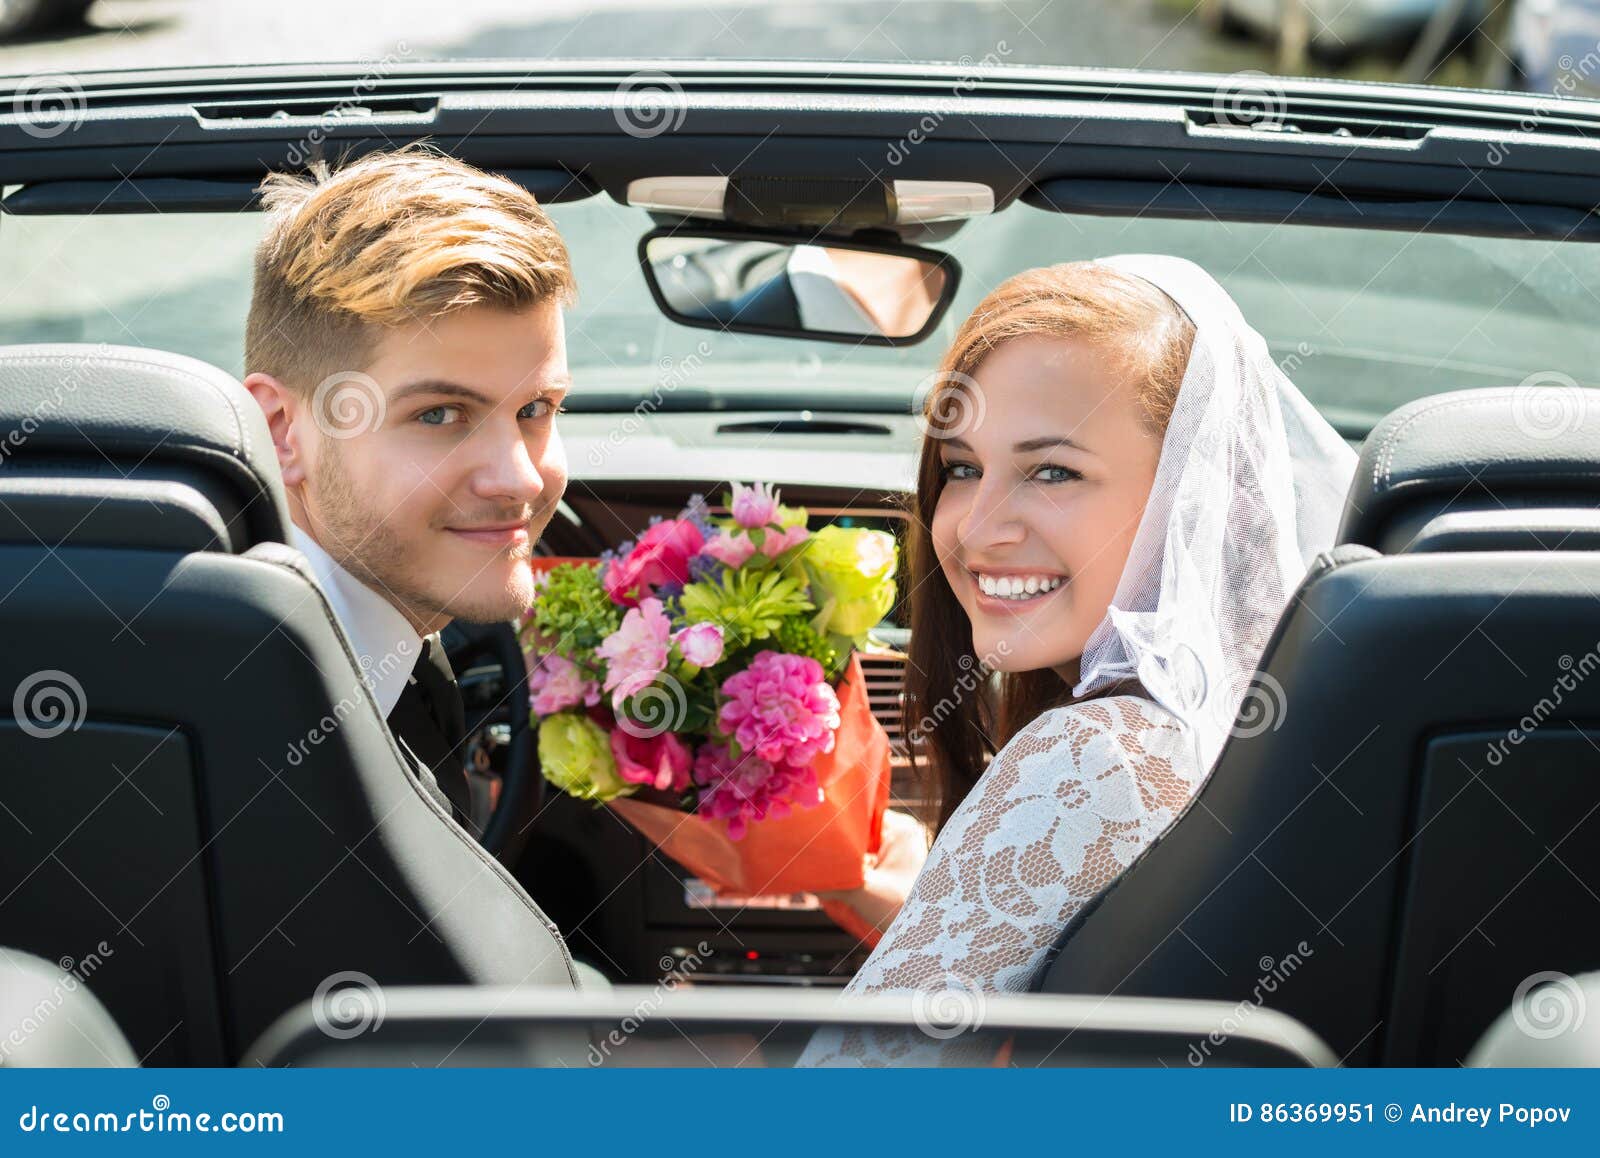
column 102, row 418
column 1528, row 446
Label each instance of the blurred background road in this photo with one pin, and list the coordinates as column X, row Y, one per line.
column 1470, row 42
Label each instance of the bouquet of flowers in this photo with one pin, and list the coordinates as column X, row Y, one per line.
column 702, row 681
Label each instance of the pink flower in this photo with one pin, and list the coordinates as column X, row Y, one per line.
column 660, row 556
column 700, row 644
column 776, row 543
column 754, row 506
column 747, row 788
column 731, row 550
column 659, row 761
column 781, row 708
column 558, row 684
column 636, row 652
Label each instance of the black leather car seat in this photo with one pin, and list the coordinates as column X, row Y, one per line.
column 195, row 783
column 1405, row 825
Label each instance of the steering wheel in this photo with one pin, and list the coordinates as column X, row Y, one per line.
column 493, row 675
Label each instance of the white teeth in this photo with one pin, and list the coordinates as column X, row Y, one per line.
column 1017, row 587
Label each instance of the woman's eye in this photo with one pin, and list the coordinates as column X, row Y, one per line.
column 1056, row 474
column 958, row 471
column 440, row 416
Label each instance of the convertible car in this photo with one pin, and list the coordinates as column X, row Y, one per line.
column 1399, row 844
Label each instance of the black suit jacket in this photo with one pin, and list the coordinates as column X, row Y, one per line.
column 430, row 725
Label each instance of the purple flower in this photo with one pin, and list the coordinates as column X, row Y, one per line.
column 755, row 505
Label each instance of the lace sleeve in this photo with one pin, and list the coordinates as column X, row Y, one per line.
column 1060, row 811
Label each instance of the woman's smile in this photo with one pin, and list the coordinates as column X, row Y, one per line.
column 1010, row 592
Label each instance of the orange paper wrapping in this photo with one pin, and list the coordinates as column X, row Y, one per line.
column 810, row 849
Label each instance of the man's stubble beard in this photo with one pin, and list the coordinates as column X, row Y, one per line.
column 358, row 537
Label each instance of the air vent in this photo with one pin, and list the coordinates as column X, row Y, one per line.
column 1266, row 113
column 803, row 425
column 364, row 108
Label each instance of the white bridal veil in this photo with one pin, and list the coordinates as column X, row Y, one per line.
column 1249, row 488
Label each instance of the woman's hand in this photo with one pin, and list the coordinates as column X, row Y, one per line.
column 889, row 874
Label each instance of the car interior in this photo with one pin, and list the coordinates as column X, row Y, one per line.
column 1330, row 894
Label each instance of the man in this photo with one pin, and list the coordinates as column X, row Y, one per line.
column 405, row 343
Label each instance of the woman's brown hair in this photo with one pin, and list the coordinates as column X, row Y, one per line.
column 954, row 717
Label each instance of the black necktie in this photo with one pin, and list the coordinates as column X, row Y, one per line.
column 429, row 718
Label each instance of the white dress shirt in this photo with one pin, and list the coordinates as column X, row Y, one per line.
column 385, row 643
column 823, row 303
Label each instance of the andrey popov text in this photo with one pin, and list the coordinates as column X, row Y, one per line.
column 1450, row 1113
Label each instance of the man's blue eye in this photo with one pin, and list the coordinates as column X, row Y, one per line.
column 538, row 408
column 439, row 415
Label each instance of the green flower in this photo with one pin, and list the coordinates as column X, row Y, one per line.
column 852, row 575
column 797, row 637
column 575, row 756
column 573, row 609
column 747, row 605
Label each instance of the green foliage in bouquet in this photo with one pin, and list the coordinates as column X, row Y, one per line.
column 574, row 610
column 748, row 605
column 797, row 637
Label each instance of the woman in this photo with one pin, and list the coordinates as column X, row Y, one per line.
column 1118, row 493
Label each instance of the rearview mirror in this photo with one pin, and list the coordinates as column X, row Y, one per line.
column 832, row 290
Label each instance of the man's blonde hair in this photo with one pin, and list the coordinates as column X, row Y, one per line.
column 390, row 239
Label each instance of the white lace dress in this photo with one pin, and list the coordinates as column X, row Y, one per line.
column 1061, row 810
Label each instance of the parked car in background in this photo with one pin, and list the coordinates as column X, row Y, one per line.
column 1555, row 46
column 20, row 17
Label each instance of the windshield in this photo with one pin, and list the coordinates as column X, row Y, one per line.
column 1545, row 46
column 1362, row 321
